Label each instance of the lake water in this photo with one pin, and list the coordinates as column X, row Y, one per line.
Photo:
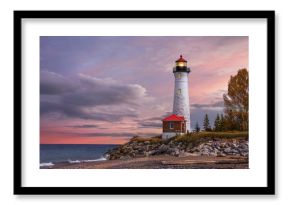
column 51, row 154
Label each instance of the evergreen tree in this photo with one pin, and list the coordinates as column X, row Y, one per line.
column 206, row 125
column 197, row 128
column 217, row 123
column 222, row 123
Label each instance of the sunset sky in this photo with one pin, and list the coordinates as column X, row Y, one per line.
column 104, row 90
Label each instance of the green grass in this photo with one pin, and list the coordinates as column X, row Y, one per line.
column 199, row 137
column 194, row 138
column 152, row 140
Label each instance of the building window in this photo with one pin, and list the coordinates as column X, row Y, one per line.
column 171, row 125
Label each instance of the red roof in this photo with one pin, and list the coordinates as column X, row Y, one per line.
column 181, row 59
column 174, row 118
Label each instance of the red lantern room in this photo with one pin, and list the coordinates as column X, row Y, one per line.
column 181, row 62
column 181, row 65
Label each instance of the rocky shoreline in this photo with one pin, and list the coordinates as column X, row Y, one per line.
column 184, row 152
column 215, row 147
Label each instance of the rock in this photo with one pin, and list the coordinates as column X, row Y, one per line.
column 227, row 150
column 234, row 145
column 146, row 142
column 175, row 152
column 163, row 148
column 243, row 146
column 205, row 152
column 244, row 154
column 107, row 156
column 235, row 151
column 208, row 147
column 223, row 145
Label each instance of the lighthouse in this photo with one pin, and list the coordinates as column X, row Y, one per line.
column 179, row 121
column 181, row 97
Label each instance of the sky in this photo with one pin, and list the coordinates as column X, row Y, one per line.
column 107, row 89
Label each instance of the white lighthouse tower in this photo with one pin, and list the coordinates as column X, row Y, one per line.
column 181, row 97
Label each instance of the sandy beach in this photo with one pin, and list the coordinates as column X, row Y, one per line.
column 163, row 162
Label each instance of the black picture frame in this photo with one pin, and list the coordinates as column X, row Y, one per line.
column 268, row 190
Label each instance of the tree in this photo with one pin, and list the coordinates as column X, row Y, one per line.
column 222, row 123
column 236, row 101
column 206, row 125
column 217, row 123
column 197, row 128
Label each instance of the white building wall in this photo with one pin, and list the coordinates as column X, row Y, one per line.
column 167, row 135
column 181, row 97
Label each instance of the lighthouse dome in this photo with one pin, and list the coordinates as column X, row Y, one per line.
column 181, row 59
column 181, row 65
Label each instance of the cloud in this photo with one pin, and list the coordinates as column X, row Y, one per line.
column 218, row 104
column 105, row 134
column 52, row 83
column 150, row 124
column 117, row 134
column 156, row 118
column 72, row 111
column 97, row 134
column 91, row 98
column 95, row 91
column 84, row 126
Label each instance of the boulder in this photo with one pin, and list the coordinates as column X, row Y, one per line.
column 227, row 150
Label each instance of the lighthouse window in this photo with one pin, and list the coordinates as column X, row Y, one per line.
column 179, row 75
column 179, row 91
column 181, row 64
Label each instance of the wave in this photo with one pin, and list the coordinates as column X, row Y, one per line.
column 88, row 160
column 46, row 164
column 50, row 164
column 74, row 161
column 96, row 160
